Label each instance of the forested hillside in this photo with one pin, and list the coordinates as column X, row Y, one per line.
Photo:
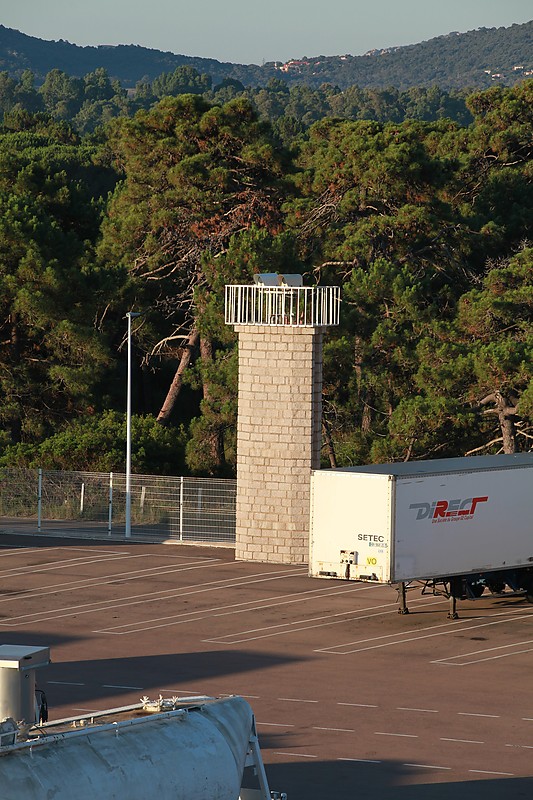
column 88, row 103
column 474, row 60
column 425, row 224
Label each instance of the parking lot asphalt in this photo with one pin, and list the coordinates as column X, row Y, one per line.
column 351, row 699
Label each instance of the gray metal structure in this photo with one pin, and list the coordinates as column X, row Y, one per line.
column 17, row 681
column 194, row 748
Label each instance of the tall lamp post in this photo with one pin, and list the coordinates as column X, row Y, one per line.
column 127, row 530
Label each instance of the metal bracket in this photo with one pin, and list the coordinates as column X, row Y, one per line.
column 255, row 760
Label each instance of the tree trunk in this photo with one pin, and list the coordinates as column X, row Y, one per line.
column 217, row 437
column 508, row 432
column 14, row 345
column 366, row 418
column 329, row 444
column 175, row 387
column 364, row 397
column 358, row 361
column 505, row 408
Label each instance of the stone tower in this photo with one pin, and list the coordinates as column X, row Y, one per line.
column 280, row 325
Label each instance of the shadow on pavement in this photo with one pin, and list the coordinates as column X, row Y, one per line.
column 150, row 674
column 388, row 780
column 27, row 639
column 23, row 535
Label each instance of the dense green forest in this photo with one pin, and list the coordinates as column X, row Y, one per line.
column 424, row 221
column 90, row 102
column 474, row 59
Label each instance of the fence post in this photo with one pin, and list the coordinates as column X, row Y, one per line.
column 110, row 513
column 181, row 508
column 82, row 497
column 39, row 499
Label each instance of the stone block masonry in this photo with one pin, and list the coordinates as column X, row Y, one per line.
column 278, row 440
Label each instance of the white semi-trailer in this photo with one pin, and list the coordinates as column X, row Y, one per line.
column 457, row 525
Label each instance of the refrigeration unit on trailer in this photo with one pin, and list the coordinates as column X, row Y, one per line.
column 458, row 526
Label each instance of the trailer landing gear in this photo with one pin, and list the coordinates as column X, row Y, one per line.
column 402, row 599
column 452, row 611
column 447, row 591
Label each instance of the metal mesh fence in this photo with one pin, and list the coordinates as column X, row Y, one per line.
column 89, row 503
column 18, row 493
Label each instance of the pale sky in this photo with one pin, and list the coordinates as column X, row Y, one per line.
column 253, row 31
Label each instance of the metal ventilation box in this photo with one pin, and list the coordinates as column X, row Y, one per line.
column 17, row 680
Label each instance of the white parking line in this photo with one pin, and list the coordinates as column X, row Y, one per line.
column 66, row 683
column 521, row 746
column 290, row 627
column 425, row 766
column 338, row 730
column 358, row 705
column 466, row 658
column 443, row 629
column 399, row 637
column 300, row 755
column 144, row 598
column 419, row 710
column 113, row 686
column 33, row 569
column 295, row 700
column 489, row 772
column 13, row 551
column 462, row 741
column 219, row 611
column 361, row 760
column 107, row 580
column 471, row 714
column 404, row 735
column 276, row 724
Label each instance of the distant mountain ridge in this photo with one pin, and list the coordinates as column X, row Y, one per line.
column 476, row 59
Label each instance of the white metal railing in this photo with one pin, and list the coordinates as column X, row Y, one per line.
column 87, row 503
column 301, row 306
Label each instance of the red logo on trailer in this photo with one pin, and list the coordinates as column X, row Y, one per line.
column 440, row 510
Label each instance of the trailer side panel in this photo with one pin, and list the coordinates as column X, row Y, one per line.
column 461, row 523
